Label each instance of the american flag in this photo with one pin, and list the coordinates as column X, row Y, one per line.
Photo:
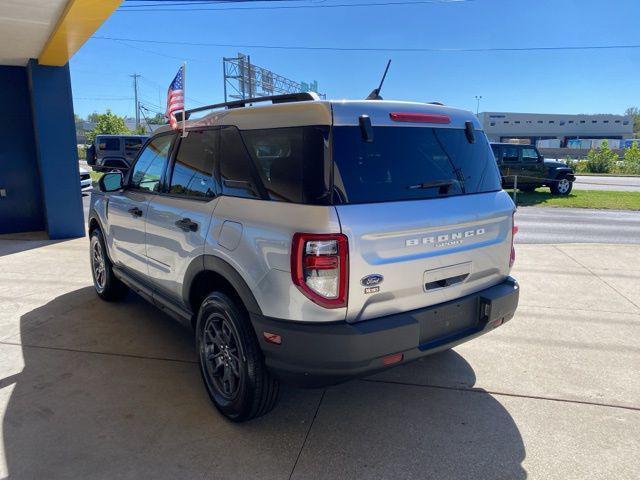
column 175, row 98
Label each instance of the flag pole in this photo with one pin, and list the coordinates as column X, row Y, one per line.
column 184, row 98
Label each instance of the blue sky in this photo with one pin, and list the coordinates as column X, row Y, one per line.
column 601, row 81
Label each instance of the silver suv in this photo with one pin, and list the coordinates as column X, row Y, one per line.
column 311, row 241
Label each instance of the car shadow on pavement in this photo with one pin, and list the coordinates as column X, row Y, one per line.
column 113, row 390
column 10, row 244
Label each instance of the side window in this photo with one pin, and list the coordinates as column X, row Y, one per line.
column 497, row 152
column 132, row 145
column 193, row 167
column 529, row 155
column 147, row 171
column 510, row 154
column 236, row 173
column 290, row 162
column 111, row 144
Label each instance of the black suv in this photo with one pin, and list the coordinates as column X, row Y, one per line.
column 532, row 170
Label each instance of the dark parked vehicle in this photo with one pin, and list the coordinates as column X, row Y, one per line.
column 114, row 152
column 532, row 169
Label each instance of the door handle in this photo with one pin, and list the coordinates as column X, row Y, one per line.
column 187, row 225
column 135, row 211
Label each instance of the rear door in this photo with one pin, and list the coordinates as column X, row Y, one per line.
column 179, row 217
column 422, row 208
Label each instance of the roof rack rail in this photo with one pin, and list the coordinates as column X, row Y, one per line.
column 286, row 98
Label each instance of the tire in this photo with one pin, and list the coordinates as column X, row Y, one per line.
column 562, row 186
column 107, row 286
column 231, row 362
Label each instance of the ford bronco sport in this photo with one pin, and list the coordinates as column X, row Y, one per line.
column 310, row 241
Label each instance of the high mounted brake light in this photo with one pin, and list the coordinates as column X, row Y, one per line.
column 320, row 267
column 419, row 117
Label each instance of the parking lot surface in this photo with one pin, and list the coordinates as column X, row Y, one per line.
column 111, row 390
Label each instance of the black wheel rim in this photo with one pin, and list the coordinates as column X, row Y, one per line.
column 221, row 356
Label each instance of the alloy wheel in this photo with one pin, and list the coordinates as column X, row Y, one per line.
column 220, row 354
column 563, row 185
column 99, row 266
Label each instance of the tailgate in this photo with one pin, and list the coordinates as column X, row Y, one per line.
column 413, row 254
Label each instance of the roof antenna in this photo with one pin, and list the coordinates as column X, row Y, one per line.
column 375, row 93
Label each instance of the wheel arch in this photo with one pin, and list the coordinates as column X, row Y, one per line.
column 94, row 223
column 561, row 171
column 209, row 273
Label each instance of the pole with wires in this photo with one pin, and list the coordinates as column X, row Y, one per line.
column 135, row 77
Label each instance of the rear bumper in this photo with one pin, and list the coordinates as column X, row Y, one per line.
column 317, row 354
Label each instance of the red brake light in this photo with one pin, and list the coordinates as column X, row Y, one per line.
column 419, row 117
column 320, row 267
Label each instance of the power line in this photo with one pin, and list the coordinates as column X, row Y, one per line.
column 141, row 8
column 148, row 3
column 103, row 98
column 375, row 49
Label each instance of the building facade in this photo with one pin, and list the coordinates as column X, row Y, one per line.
column 556, row 130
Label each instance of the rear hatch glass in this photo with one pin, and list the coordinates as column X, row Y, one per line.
column 410, row 163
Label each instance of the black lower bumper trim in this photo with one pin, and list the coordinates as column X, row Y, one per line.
column 316, row 354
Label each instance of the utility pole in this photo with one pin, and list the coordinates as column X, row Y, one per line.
column 478, row 98
column 135, row 77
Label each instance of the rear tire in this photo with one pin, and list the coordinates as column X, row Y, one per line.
column 231, row 362
column 107, row 286
column 562, row 185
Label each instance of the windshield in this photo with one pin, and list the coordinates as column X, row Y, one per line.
column 410, row 163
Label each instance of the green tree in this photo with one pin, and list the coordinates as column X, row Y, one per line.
column 634, row 113
column 602, row 160
column 632, row 159
column 140, row 130
column 106, row 124
column 158, row 119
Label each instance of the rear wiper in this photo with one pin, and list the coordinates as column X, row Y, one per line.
column 442, row 186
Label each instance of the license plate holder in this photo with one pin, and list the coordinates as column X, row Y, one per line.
column 449, row 319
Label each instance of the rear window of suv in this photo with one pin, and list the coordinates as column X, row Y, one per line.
column 410, row 163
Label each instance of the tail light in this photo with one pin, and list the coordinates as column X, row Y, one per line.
column 514, row 230
column 320, row 267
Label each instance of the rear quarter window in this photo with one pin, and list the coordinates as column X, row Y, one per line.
column 290, row 162
column 109, row 144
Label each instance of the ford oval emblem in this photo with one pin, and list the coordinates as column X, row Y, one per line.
column 371, row 280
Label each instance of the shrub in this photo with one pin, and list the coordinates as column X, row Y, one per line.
column 602, row 160
column 632, row 160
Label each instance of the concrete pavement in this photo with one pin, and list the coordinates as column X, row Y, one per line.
column 97, row 390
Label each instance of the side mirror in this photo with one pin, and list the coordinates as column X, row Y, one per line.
column 110, row 182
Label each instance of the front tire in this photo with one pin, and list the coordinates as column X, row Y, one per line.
column 562, row 185
column 107, row 286
column 231, row 362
